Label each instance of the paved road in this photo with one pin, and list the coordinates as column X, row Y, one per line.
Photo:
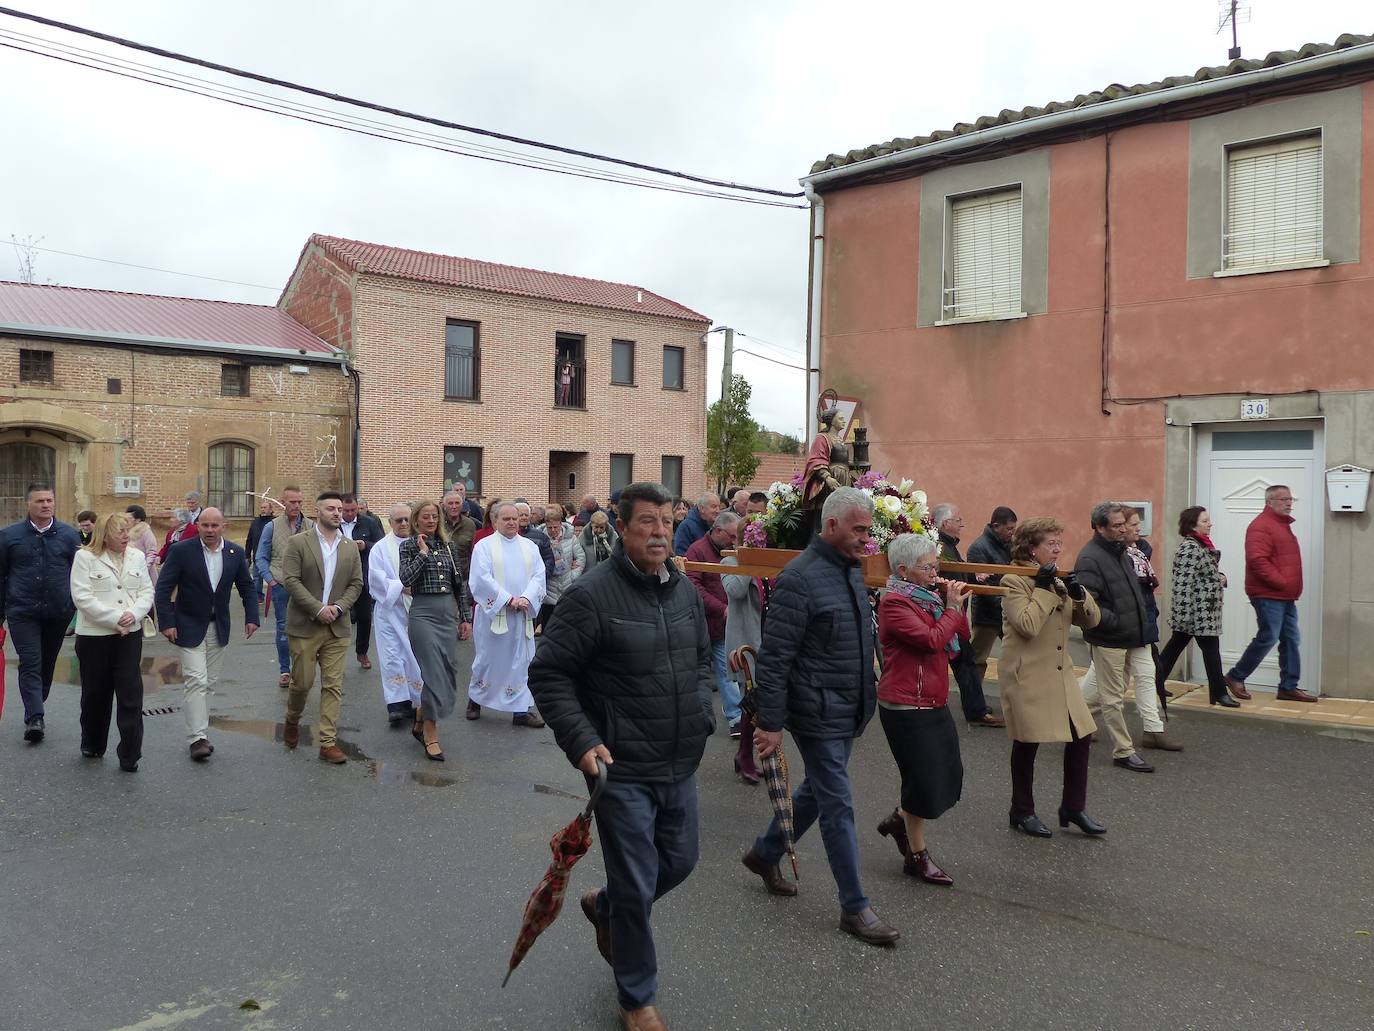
column 1230, row 892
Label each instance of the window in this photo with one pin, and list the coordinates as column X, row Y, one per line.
column 672, row 474
column 462, row 360
column 569, row 370
column 622, row 471
column 231, row 479
column 623, row 362
column 1273, row 204
column 35, row 366
column 983, row 256
column 114, row 386
column 233, row 380
column 674, row 360
column 23, row 463
column 463, row 465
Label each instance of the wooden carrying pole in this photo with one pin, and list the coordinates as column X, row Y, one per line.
column 769, row 562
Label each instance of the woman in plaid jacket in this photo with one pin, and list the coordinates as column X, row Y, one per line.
column 1195, row 611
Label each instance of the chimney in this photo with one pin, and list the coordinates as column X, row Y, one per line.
column 639, row 297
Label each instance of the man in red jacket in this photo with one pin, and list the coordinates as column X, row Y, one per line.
column 712, row 591
column 1273, row 583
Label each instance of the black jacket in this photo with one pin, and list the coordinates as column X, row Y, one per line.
column 1148, row 590
column 36, row 570
column 1106, row 571
column 255, row 529
column 541, row 540
column 625, row 661
column 815, row 669
column 988, row 549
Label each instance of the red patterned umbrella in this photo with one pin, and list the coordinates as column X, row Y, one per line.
column 568, row 845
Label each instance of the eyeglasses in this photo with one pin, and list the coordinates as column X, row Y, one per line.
column 929, row 567
column 399, row 519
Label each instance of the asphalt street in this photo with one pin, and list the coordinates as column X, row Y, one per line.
column 1235, row 888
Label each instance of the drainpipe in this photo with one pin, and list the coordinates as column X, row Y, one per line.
column 357, row 379
column 816, row 273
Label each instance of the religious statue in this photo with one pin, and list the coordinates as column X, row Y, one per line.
column 827, row 462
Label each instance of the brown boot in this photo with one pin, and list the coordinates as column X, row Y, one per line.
column 333, row 754
column 894, row 827
column 291, row 734
column 603, row 932
column 1161, row 741
column 646, row 1018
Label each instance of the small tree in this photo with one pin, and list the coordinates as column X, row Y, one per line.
column 732, row 437
column 789, row 445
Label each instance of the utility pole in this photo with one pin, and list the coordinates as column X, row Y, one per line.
column 727, row 369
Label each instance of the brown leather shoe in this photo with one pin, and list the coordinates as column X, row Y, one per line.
column 1295, row 695
column 1161, row 740
column 646, row 1018
column 988, row 720
column 364, row 662
column 772, row 877
column 919, row 864
column 291, row 734
column 1237, row 688
column 333, row 754
column 603, row 932
column 200, row 750
column 868, row 927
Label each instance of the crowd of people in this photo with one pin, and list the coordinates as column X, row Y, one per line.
column 582, row 619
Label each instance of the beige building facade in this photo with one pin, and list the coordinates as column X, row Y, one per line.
column 519, row 383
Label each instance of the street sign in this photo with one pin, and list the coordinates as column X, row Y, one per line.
column 1254, row 408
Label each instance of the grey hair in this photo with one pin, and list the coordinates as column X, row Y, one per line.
column 706, row 499
column 193, row 494
column 907, row 549
column 845, row 499
column 1103, row 512
column 1273, row 489
column 182, row 515
column 401, row 505
column 941, row 512
column 726, row 520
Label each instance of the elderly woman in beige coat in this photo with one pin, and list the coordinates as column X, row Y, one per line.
column 1040, row 696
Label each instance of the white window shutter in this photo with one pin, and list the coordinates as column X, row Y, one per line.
column 1273, row 204
column 984, row 265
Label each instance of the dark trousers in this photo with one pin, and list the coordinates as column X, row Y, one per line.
column 38, row 643
column 970, row 681
column 110, row 676
column 1075, row 796
column 1211, row 661
column 362, row 621
column 824, row 794
column 649, row 843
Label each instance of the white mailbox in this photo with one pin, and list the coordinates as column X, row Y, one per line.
column 1347, row 488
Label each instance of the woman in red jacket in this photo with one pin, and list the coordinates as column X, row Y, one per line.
column 918, row 629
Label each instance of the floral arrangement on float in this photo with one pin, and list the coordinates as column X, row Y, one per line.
column 898, row 508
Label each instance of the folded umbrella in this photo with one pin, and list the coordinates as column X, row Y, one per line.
column 569, row 845
column 780, row 794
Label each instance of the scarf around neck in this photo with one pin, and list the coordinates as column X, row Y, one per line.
column 923, row 598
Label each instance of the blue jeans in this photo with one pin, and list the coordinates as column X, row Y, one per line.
column 279, row 602
column 824, row 793
column 38, row 642
column 729, row 690
column 1278, row 621
column 648, row 837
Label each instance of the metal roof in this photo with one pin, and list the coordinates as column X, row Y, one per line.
column 447, row 270
column 109, row 316
column 1105, row 96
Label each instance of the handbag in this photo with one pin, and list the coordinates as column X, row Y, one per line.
column 149, row 627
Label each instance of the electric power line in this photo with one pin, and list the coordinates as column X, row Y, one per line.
column 151, row 268
column 775, row 361
column 385, row 109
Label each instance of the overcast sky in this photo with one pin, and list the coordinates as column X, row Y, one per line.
column 752, row 92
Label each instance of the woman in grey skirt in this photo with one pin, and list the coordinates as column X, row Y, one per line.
column 440, row 615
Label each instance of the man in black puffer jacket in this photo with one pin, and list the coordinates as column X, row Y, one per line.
column 815, row 677
column 993, row 548
column 623, row 674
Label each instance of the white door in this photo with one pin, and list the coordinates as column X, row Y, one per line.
column 1236, row 462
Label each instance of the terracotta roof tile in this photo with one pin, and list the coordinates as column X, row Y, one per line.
column 224, row 324
column 447, row 270
column 1109, row 93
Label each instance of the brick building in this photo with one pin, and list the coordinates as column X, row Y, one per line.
column 1158, row 293
column 519, row 382
column 124, row 398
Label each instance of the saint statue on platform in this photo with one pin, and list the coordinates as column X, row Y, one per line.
column 827, row 462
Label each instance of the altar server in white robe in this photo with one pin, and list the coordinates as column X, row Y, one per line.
column 507, row 585
column 401, row 681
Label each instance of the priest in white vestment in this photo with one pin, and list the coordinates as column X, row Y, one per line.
column 401, row 681
column 506, row 579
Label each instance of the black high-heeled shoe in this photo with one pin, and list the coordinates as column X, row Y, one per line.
column 1082, row 821
column 1226, row 702
column 1031, row 825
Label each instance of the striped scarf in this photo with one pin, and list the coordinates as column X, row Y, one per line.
column 926, row 600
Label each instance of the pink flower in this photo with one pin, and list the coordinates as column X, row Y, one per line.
column 755, row 534
column 871, row 548
column 868, row 479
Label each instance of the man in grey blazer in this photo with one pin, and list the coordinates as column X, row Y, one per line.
column 323, row 580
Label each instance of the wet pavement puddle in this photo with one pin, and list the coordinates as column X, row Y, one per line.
column 381, row 771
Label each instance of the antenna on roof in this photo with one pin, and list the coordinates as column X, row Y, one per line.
column 1233, row 12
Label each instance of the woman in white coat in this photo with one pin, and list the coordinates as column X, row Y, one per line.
column 112, row 593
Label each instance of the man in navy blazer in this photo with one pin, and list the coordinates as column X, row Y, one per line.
column 201, row 571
